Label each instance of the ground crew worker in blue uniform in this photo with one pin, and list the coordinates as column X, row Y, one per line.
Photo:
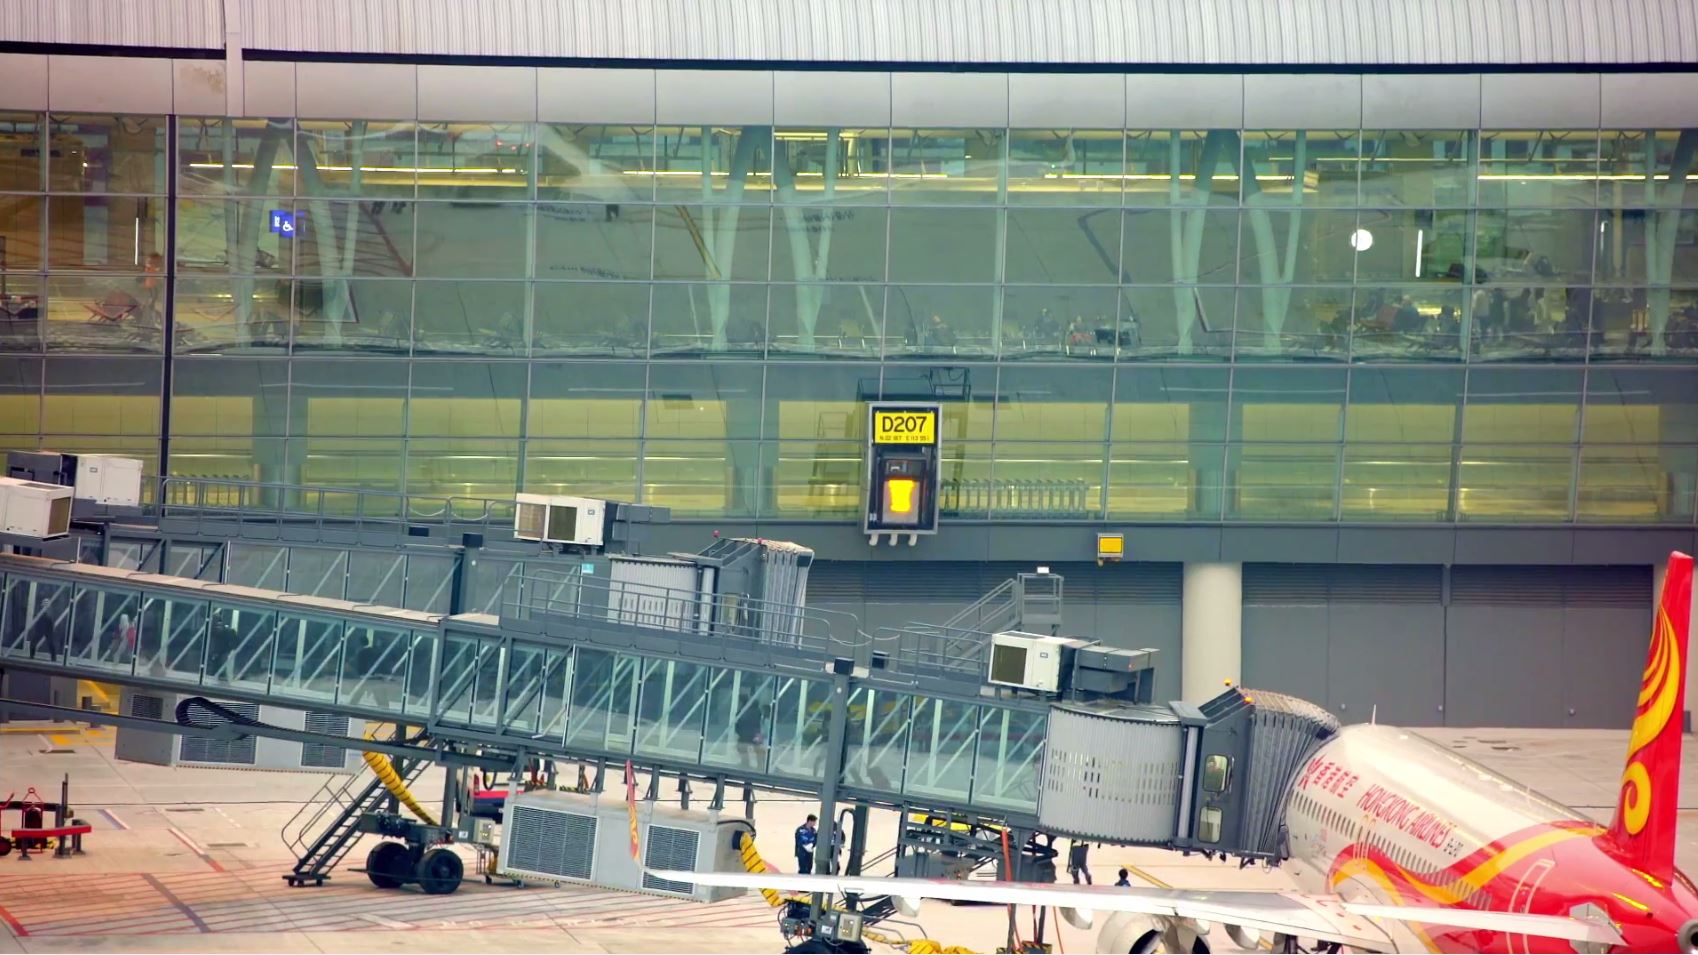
column 806, row 835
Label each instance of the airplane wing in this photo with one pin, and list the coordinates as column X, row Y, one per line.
column 1282, row 913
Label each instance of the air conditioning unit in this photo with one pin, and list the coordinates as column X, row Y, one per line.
column 1027, row 660
column 33, row 509
column 109, row 479
column 558, row 519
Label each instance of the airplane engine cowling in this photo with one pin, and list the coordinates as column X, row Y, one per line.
column 1124, row 932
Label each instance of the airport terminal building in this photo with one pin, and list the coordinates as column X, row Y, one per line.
column 1372, row 326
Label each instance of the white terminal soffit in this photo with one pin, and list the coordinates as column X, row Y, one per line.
column 1415, row 33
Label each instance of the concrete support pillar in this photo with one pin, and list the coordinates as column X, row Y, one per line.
column 1211, row 629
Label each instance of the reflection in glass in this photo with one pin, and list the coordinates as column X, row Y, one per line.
column 721, row 242
column 1189, row 246
column 1412, row 245
column 581, row 467
column 37, row 619
column 721, row 318
column 21, row 157
column 702, row 477
column 594, row 241
column 357, row 157
column 1281, row 481
column 1084, row 167
column 812, row 244
column 107, row 396
column 604, row 700
column 1056, row 320
column 1177, row 321
column 462, row 467
column 473, row 240
column 1011, row 746
column 353, row 315
column 713, row 164
column 111, row 233
column 234, row 157
column 945, row 166
column 1543, row 167
column 1514, row 483
column 475, row 161
column 814, row 479
column 20, row 232
column 877, row 738
column 839, row 166
column 1301, row 167
column 239, row 647
column 835, row 320
column 739, row 720
column 672, row 709
column 470, row 318
column 1418, row 168
column 104, row 631
column 1395, row 482
column 1637, row 484
column 1521, row 405
column 1063, row 246
column 1535, row 246
column 1640, row 166
column 337, row 239
column 1182, row 167
column 941, row 320
column 1422, row 322
column 105, row 153
column 597, row 163
column 590, row 318
column 22, row 309
column 801, row 717
column 1296, row 322
column 230, row 236
column 944, row 245
column 942, row 739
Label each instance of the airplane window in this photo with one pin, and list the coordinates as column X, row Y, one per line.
column 1216, row 770
column 1208, row 824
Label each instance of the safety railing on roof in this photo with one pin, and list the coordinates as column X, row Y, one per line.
column 260, row 502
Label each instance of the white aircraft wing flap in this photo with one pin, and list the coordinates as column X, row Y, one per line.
column 1288, row 913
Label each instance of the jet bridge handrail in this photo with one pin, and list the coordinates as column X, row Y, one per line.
column 270, row 502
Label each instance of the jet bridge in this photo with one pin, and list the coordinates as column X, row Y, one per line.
column 1211, row 778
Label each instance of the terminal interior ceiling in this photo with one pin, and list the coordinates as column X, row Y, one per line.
column 1491, row 325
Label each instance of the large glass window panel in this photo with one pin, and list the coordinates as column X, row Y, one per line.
column 1293, row 321
column 239, row 643
column 720, row 318
column 21, row 316
column 590, row 318
column 235, row 157
column 466, row 399
column 342, row 398
column 232, row 396
column 475, row 161
column 462, row 467
column 613, row 164
column 1640, row 406
column 584, row 468
column 372, row 464
column 370, row 315
column 1538, row 167
column 739, row 719
column 337, row 239
column 1519, row 405
column 944, row 245
column 800, row 723
column 21, row 154
column 469, row 317
column 595, row 241
column 106, row 233
column 1185, row 245
column 826, row 320
column 604, row 699
column 1411, row 323
column 967, row 485
column 817, row 401
column 1514, row 483
column 232, row 236
column 232, row 315
column 1053, row 404
column 813, row 479
column 1011, row 744
column 720, row 242
column 877, row 738
column 1287, row 404
column 1648, row 246
column 1411, row 245
column 173, row 639
column 702, row 478
column 942, row 739
column 830, row 165
column 455, row 683
column 945, row 166
column 1182, row 167
column 1170, row 404
column 828, row 244
column 104, row 313
column 522, row 694
column 1052, row 480
column 703, row 401
column 1041, row 321
column 115, row 396
column 1395, row 482
column 486, row 691
column 1538, row 322
column 1413, row 168
column 586, row 400
column 1520, row 247
column 1281, row 482
column 1648, row 167
column 1402, row 405
column 20, row 232
column 473, row 240
column 1154, row 481
column 941, row 320
column 20, row 395
column 1303, row 167
column 37, row 619
column 1074, row 167
column 104, row 630
column 106, row 153
column 556, row 678
column 1283, row 246
column 1063, row 246
column 672, row 710
column 713, row 164
column 1630, row 484
column 1177, row 321
column 229, row 459
column 357, row 157
column 966, row 392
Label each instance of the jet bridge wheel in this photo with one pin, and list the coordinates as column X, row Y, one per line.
column 389, row 865
column 439, row 871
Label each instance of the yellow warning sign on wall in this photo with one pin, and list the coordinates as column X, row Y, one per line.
column 904, row 427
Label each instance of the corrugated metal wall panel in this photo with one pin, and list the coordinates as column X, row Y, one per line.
column 1110, row 32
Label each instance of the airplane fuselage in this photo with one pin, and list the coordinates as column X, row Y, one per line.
column 1380, row 814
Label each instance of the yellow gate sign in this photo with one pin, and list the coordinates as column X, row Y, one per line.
column 905, row 427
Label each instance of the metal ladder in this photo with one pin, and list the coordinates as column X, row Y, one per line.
column 315, row 859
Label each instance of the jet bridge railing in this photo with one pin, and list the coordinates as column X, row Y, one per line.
column 472, row 678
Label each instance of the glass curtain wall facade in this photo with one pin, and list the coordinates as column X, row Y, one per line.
column 1157, row 325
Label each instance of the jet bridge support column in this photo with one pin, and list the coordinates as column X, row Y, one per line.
column 842, row 670
column 1211, row 629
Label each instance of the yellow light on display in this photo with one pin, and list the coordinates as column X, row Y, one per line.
column 899, row 494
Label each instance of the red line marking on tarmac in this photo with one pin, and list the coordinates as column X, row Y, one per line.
column 12, row 923
column 197, row 850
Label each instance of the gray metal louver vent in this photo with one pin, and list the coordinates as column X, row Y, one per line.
column 1628, row 587
column 551, row 843
column 674, row 849
column 321, row 754
column 147, row 707
column 206, row 749
column 1387, row 583
column 1285, row 584
column 1137, row 582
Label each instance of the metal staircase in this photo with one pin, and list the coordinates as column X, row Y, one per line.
column 343, row 808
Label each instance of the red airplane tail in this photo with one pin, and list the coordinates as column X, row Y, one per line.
column 1643, row 831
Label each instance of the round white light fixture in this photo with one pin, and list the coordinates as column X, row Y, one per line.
column 1361, row 240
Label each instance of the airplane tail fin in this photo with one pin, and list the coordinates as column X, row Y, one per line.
column 1643, row 831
